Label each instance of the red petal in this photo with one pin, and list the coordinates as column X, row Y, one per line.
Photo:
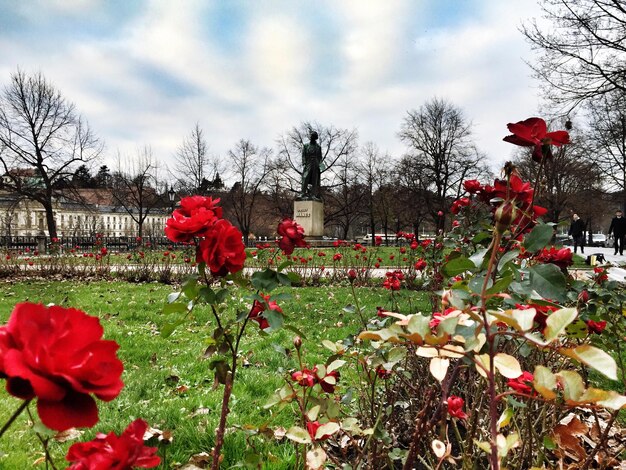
column 76, row 410
column 513, row 139
column 558, row 138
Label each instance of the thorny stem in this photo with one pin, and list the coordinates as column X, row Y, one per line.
column 358, row 307
column 44, row 443
column 228, row 387
column 14, row 416
column 493, row 401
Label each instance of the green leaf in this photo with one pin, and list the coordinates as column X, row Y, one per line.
column 476, row 284
column 548, row 281
column 207, row 295
column 176, row 307
column 294, row 277
column 221, row 295
column 500, row 285
column 284, row 279
column 538, row 238
column 289, row 327
column 558, row 321
column 168, row 328
column 265, row 281
column 479, row 257
column 299, row 435
column 457, row 266
column 593, row 357
column 544, row 381
column 190, row 287
column 274, row 318
column 573, row 385
column 284, row 264
column 507, row 257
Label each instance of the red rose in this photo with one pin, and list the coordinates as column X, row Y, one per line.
column 304, row 377
column 562, row 257
column 533, row 132
column 522, row 384
column 181, row 228
column 337, row 257
column 383, row 373
column 596, row 327
column 259, row 307
column 222, row 249
column 456, row 205
column 378, row 240
column 420, row 265
column 471, row 186
column 455, row 407
column 194, row 204
column 292, row 236
column 111, row 452
column 352, row 274
column 57, row 355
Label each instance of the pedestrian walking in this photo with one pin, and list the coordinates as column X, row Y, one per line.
column 577, row 232
column 618, row 229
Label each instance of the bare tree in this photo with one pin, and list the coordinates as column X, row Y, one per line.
column 345, row 197
column 250, row 166
column 607, row 140
column 582, row 51
column 372, row 167
column 441, row 153
column 43, row 141
column 336, row 143
column 195, row 168
column 136, row 187
column 279, row 200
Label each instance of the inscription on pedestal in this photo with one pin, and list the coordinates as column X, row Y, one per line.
column 310, row 215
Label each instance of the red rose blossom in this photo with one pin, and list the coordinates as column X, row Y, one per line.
column 522, row 384
column 111, row 452
column 560, row 257
column 222, row 250
column 292, row 236
column 471, row 186
column 533, row 132
column 194, row 218
column 596, row 327
column 57, row 355
column 259, row 307
column 455, row 407
column 304, row 377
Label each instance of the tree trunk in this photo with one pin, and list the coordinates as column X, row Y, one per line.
column 52, row 226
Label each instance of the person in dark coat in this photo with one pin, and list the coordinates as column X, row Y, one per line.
column 577, row 232
column 618, row 229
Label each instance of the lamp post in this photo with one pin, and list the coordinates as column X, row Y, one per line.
column 171, row 194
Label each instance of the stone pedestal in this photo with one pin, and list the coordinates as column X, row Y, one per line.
column 310, row 215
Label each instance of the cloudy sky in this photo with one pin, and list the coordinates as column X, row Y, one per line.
column 144, row 72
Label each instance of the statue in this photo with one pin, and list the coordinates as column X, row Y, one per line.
column 311, row 170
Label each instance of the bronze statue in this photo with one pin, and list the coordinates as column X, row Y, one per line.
column 311, row 170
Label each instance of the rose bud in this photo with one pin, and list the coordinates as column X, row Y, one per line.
column 583, row 297
column 505, row 214
column 297, row 342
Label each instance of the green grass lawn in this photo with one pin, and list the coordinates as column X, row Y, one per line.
column 168, row 382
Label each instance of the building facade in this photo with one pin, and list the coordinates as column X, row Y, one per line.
column 95, row 214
